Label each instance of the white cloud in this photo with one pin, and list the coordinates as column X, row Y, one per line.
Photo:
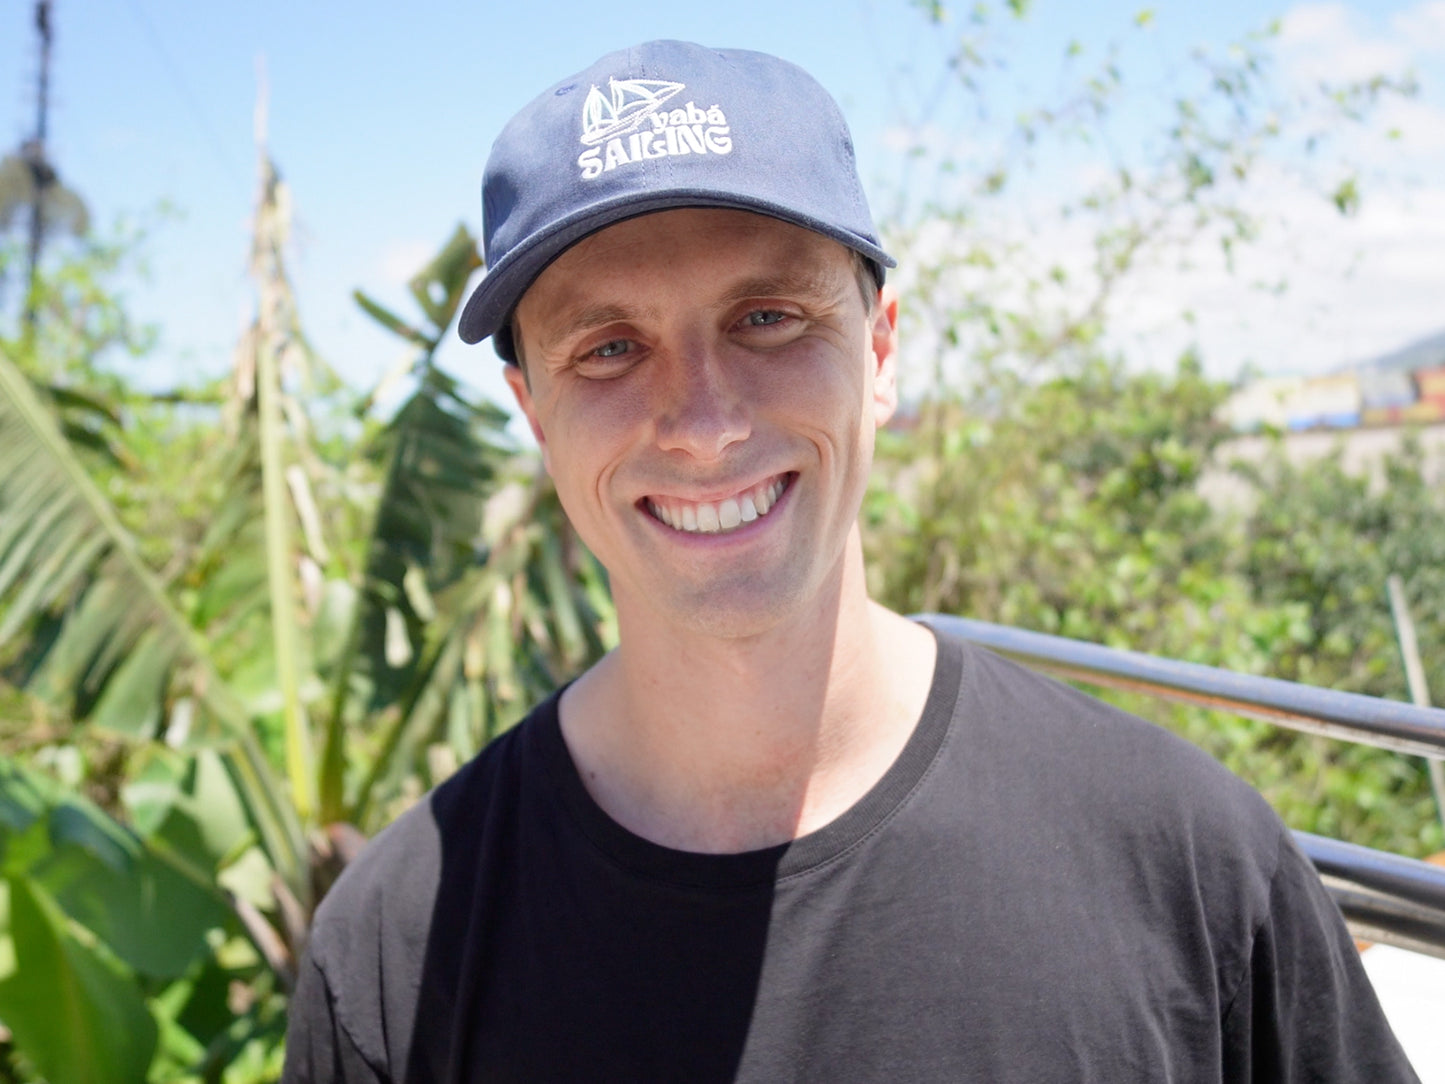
column 1423, row 26
column 1334, row 43
column 1353, row 288
column 1421, row 124
column 1316, row 291
column 1315, row 22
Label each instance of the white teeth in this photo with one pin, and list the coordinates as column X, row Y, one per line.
column 706, row 518
column 769, row 497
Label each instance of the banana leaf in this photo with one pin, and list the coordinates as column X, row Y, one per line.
column 93, row 622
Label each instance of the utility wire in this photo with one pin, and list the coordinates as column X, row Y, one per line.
column 217, row 145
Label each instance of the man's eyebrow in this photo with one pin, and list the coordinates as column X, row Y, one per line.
column 783, row 284
column 779, row 284
column 587, row 317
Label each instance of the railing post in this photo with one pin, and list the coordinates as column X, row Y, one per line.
column 1415, row 677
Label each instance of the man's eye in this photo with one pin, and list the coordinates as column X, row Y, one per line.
column 614, row 349
column 764, row 318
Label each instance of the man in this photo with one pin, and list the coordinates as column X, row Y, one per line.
column 781, row 833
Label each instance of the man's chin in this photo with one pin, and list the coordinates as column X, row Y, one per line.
column 748, row 604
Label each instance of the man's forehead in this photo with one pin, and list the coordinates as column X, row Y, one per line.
column 748, row 255
column 684, row 226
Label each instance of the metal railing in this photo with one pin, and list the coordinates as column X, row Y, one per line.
column 1384, row 897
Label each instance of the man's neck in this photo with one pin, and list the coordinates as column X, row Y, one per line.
column 725, row 745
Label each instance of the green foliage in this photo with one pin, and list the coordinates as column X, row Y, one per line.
column 1059, row 513
column 118, row 950
column 187, row 628
column 1038, row 482
column 66, row 1002
column 477, row 597
column 1346, row 196
column 1318, row 532
column 1076, row 511
column 83, row 331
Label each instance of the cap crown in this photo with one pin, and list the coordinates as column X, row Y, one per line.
column 661, row 125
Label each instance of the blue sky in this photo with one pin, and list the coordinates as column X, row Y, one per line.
column 381, row 116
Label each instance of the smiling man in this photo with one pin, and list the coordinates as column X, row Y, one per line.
column 781, row 833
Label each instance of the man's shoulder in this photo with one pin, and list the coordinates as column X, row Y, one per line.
column 1130, row 819
column 1092, row 763
column 396, row 877
column 386, row 933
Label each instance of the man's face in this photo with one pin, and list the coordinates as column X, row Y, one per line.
column 705, row 386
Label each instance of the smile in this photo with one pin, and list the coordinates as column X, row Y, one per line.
column 719, row 517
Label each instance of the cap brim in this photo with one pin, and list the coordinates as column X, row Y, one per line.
column 491, row 304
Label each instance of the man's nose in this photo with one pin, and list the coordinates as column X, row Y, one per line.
column 701, row 410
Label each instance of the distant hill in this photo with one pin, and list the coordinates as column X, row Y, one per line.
column 1424, row 354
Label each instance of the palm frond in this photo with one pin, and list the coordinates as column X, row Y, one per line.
column 275, row 337
column 443, row 454
column 478, row 597
column 90, row 619
column 536, row 612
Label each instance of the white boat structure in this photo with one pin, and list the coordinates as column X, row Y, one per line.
column 629, row 103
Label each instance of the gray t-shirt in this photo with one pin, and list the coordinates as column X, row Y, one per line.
column 1041, row 888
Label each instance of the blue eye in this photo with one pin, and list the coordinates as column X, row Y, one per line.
column 764, row 318
column 614, row 349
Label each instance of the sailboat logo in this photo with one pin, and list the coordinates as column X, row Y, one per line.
column 630, row 103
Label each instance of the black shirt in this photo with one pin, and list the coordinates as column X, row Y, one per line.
column 1041, row 888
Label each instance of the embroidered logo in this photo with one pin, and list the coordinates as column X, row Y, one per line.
column 615, row 126
column 632, row 101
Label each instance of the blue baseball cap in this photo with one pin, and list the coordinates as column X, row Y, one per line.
column 662, row 125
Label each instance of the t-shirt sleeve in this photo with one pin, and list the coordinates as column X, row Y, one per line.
column 1304, row 1009
column 318, row 1050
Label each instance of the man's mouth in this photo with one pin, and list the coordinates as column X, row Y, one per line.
column 719, row 517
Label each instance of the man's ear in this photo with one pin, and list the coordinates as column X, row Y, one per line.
column 517, row 381
column 884, row 353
